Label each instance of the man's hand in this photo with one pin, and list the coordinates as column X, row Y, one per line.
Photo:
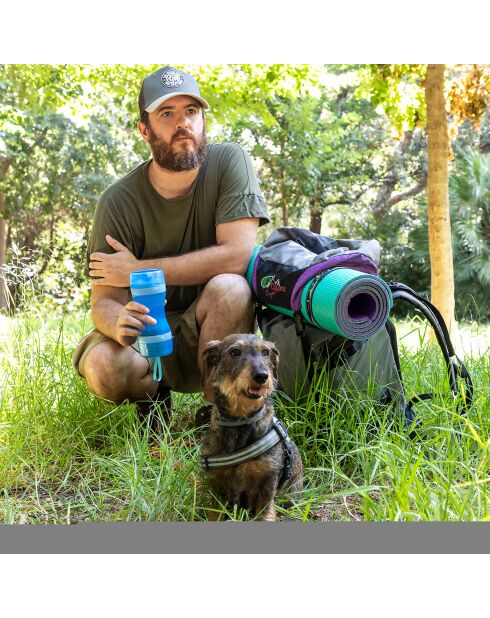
column 132, row 316
column 112, row 268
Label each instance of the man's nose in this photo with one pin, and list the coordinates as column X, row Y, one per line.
column 181, row 121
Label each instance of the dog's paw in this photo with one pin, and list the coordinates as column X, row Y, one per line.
column 203, row 415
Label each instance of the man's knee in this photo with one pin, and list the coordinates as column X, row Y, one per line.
column 104, row 373
column 227, row 289
column 227, row 299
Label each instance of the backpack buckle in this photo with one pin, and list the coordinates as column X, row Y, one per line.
column 299, row 324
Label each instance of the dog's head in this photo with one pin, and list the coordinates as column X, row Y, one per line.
column 242, row 369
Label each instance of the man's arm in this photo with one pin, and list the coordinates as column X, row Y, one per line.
column 115, row 317
column 235, row 242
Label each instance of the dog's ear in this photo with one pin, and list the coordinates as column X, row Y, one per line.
column 210, row 359
column 274, row 358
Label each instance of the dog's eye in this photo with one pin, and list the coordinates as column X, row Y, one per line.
column 235, row 352
column 265, row 352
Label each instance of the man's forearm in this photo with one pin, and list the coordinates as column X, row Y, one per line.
column 198, row 267
column 105, row 313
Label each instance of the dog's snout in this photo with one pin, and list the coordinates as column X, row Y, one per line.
column 260, row 376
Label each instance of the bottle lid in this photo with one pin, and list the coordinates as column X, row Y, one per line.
column 146, row 278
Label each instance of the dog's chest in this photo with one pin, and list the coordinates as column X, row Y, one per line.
column 247, row 476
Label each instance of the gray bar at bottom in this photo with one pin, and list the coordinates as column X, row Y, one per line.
column 249, row 538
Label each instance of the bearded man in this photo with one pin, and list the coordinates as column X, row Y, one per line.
column 193, row 210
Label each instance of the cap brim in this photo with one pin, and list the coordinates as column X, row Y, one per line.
column 153, row 106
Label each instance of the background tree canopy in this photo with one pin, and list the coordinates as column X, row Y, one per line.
column 341, row 149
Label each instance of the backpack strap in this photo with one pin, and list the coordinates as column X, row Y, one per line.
column 391, row 330
column 455, row 367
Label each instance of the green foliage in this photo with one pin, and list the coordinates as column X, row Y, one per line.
column 469, row 199
column 61, row 168
column 314, row 149
column 321, row 138
column 470, row 207
column 398, row 89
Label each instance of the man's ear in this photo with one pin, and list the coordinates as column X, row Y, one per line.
column 210, row 359
column 143, row 129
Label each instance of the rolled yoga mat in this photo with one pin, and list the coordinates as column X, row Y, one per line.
column 344, row 301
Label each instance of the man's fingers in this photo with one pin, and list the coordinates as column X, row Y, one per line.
column 95, row 265
column 130, row 321
column 139, row 312
column 98, row 256
column 115, row 244
column 147, row 319
column 127, row 332
column 135, row 306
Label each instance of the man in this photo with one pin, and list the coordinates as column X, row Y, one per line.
column 193, row 210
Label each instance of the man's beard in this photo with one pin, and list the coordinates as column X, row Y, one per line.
column 181, row 161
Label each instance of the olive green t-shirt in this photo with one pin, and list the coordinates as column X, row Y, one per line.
column 151, row 227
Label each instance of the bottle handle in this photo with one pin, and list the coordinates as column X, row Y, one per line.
column 157, row 369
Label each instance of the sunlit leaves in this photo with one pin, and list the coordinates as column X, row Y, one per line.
column 469, row 92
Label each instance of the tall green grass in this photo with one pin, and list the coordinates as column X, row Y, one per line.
column 66, row 456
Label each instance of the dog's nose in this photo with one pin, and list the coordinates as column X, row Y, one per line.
column 260, row 377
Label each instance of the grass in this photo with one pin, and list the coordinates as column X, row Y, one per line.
column 66, row 456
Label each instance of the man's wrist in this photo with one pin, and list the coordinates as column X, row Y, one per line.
column 147, row 264
column 105, row 316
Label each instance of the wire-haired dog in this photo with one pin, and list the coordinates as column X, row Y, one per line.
column 246, row 450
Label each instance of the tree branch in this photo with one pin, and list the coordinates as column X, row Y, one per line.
column 415, row 190
column 381, row 206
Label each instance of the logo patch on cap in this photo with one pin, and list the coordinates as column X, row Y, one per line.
column 172, row 79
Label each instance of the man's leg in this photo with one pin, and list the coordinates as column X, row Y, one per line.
column 117, row 373
column 225, row 307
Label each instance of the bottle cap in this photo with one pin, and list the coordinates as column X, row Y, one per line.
column 144, row 279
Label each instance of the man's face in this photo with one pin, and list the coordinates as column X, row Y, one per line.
column 176, row 134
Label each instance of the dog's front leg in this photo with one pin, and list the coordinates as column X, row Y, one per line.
column 270, row 513
column 264, row 507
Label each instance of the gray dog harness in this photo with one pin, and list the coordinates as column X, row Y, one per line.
column 277, row 433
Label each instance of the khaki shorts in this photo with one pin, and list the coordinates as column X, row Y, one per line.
column 180, row 369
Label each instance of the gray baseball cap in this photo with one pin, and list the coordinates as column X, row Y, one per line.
column 164, row 84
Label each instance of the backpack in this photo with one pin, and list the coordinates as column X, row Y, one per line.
column 295, row 260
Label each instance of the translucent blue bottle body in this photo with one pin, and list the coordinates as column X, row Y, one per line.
column 148, row 288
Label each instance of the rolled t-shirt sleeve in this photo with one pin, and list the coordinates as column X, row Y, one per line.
column 239, row 195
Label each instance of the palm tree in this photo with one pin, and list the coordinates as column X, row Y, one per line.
column 469, row 197
column 469, row 187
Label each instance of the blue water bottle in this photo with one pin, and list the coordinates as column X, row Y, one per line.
column 148, row 288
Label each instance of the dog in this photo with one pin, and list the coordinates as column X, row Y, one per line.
column 242, row 370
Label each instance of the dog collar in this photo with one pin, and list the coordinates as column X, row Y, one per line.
column 227, row 421
column 276, row 434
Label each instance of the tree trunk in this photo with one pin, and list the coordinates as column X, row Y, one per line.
column 440, row 247
column 284, row 199
column 4, row 163
column 284, row 210
column 315, row 217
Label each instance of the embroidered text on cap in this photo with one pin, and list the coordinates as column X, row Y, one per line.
column 172, row 79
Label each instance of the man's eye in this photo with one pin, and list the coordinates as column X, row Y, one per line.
column 235, row 352
column 265, row 352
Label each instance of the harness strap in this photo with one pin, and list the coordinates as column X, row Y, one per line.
column 276, row 434
column 287, row 469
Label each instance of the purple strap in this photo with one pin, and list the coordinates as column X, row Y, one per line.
column 356, row 261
